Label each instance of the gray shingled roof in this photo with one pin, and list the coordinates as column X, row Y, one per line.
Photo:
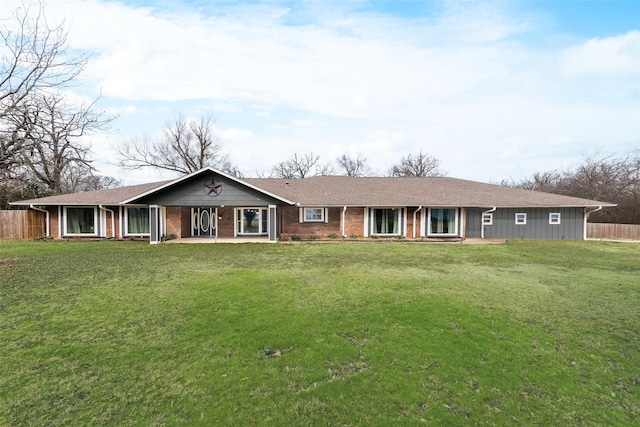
column 111, row 197
column 326, row 191
column 441, row 191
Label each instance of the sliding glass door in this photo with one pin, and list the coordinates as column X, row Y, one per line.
column 443, row 222
column 385, row 222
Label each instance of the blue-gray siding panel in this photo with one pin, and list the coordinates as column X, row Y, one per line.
column 571, row 226
column 192, row 193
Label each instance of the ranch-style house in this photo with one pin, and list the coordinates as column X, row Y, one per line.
column 211, row 204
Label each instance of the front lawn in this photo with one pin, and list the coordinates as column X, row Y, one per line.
column 127, row 333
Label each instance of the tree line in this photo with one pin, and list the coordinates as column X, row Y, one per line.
column 44, row 131
column 605, row 177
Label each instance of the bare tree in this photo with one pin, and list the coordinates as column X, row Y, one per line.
column 609, row 178
column 416, row 165
column 353, row 166
column 51, row 132
column 34, row 57
column 549, row 182
column 186, row 145
column 301, row 166
column 79, row 177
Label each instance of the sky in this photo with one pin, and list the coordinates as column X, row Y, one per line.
column 496, row 90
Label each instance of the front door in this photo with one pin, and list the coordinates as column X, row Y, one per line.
column 203, row 222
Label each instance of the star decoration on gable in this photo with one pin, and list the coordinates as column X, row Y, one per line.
column 212, row 188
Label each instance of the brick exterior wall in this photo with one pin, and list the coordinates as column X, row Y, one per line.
column 288, row 222
column 225, row 222
column 53, row 221
column 290, row 225
column 174, row 222
column 354, row 222
column 116, row 220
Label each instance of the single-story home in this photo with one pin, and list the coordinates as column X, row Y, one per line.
column 209, row 203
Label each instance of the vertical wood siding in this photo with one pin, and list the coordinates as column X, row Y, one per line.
column 571, row 226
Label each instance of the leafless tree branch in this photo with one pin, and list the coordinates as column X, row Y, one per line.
column 185, row 146
column 301, row 166
column 416, row 165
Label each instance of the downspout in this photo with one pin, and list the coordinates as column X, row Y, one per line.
column 493, row 209
column 113, row 221
column 414, row 220
column 586, row 217
column 344, row 220
column 46, row 213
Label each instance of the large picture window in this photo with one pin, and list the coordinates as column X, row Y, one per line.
column 137, row 221
column 80, row 221
column 385, row 222
column 252, row 221
column 443, row 222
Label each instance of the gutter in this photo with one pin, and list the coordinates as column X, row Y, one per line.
column 344, row 220
column 113, row 221
column 46, row 213
column 586, row 217
column 493, row 209
column 414, row 220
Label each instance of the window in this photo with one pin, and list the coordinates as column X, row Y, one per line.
column 521, row 218
column 487, row 219
column 554, row 218
column 137, row 221
column 80, row 221
column 313, row 215
column 443, row 222
column 251, row 221
column 385, row 221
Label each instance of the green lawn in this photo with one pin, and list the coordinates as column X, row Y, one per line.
column 127, row 333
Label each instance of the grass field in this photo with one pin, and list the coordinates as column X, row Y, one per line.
column 127, row 333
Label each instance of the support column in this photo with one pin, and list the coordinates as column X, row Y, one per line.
column 273, row 222
column 155, row 224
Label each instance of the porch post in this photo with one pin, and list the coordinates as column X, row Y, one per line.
column 273, row 231
column 155, row 234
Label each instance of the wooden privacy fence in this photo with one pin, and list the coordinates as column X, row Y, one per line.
column 20, row 224
column 613, row 231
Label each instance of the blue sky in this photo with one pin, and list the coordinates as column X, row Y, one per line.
column 496, row 90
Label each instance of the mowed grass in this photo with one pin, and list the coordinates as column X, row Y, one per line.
column 127, row 333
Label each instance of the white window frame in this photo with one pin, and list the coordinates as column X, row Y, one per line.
column 521, row 218
column 126, row 221
column 238, row 214
column 305, row 217
column 96, row 221
column 555, row 218
column 487, row 218
column 401, row 221
column 450, row 234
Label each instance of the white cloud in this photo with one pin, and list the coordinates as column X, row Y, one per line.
column 235, row 134
column 618, row 55
column 462, row 84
